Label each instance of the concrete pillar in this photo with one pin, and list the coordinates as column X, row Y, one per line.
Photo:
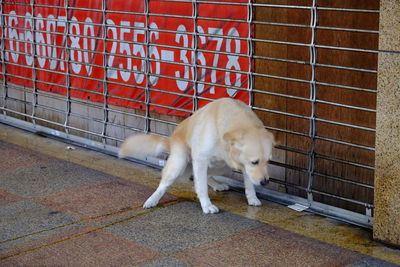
column 387, row 156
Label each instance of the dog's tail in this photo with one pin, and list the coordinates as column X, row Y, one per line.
column 144, row 144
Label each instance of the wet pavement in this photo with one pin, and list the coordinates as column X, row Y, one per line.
column 74, row 207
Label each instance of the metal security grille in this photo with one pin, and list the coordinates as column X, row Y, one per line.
column 307, row 69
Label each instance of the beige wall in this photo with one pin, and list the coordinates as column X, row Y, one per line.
column 387, row 157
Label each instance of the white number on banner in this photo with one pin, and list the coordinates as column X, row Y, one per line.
column 75, row 54
column 40, row 49
column 124, row 47
column 154, row 52
column 233, row 61
column 202, row 59
column 138, row 50
column 62, row 22
column 215, row 31
column 51, row 50
column 28, row 37
column 13, row 35
column 86, row 55
column 182, row 85
column 112, row 73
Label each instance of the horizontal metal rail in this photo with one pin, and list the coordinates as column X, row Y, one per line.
column 326, row 8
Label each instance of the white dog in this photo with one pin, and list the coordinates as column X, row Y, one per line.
column 223, row 134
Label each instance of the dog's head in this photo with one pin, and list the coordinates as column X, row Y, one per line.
column 250, row 150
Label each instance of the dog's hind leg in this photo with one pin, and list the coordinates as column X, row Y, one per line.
column 174, row 167
column 200, row 184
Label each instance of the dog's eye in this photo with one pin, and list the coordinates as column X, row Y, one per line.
column 255, row 162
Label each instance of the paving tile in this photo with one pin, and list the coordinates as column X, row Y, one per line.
column 6, row 197
column 13, row 157
column 48, row 177
column 371, row 262
column 167, row 261
column 81, row 247
column 181, row 226
column 22, row 218
column 100, row 198
column 268, row 246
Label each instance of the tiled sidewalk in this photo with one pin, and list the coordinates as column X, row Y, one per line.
column 58, row 213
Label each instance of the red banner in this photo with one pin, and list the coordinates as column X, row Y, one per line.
column 128, row 50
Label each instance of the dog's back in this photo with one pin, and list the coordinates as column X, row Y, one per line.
column 212, row 121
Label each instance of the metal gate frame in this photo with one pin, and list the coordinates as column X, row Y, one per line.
column 33, row 122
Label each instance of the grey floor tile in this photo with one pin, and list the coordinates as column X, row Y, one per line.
column 48, row 178
column 181, row 226
column 25, row 220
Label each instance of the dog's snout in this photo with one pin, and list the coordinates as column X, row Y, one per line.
column 264, row 182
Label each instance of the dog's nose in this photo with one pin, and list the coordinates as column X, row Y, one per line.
column 264, row 182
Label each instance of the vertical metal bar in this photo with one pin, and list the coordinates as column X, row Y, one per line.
column 250, row 51
column 313, row 98
column 195, row 54
column 3, row 56
column 148, row 70
column 105, row 62
column 34, row 78
column 67, row 71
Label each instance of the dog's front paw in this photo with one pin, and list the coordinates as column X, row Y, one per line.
column 150, row 203
column 254, row 201
column 210, row 209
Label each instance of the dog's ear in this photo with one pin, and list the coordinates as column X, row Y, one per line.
column 234, row 138
column 271, row 137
